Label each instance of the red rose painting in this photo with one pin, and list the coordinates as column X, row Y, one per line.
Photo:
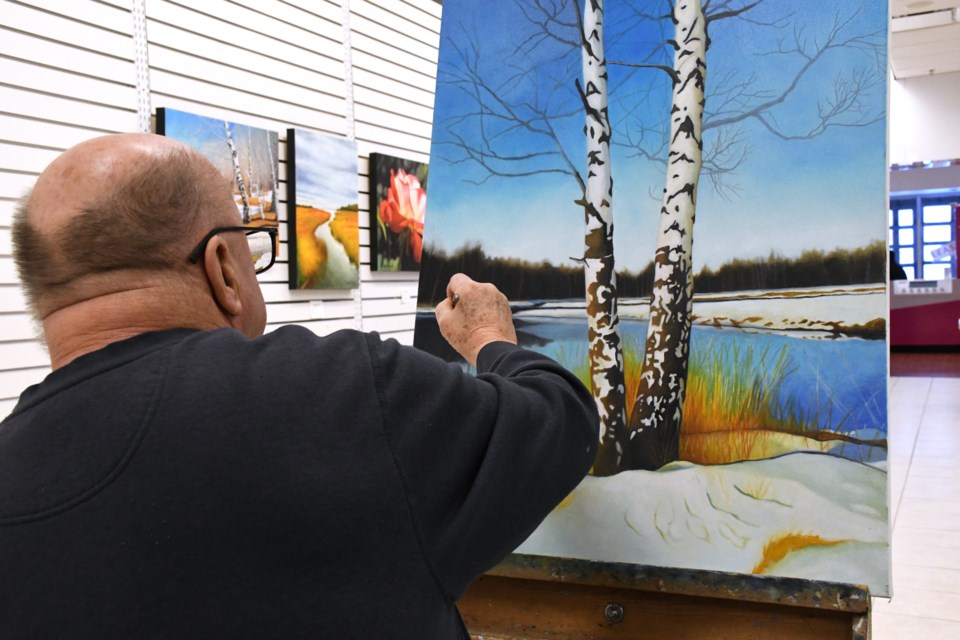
column 399, row 187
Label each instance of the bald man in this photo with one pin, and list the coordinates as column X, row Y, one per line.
column 181, row 475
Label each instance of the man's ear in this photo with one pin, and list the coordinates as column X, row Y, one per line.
column 223, row 276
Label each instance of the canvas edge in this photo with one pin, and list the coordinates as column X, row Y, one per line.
column 374, row 161
column 291, row 210
column 161, row 121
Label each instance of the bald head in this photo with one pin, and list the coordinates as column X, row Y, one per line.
column 114, row 206
column 84, row 174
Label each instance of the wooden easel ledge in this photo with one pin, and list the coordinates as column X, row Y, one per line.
column 540, row 598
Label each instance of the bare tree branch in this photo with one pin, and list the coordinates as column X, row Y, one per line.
column 662, row 67
column 848, row 92
column 734, row 100
column 714, row 11
column 496, row 118
column 547, row 16
column 723, row 154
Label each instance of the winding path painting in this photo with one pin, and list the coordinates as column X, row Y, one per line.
column 741, row 379
column 324, row 223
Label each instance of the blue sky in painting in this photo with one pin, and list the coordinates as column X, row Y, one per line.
column 792, row 195
column 326, row 170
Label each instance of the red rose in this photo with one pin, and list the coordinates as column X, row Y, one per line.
column 404, row 208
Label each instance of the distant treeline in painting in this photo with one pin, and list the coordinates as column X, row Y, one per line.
column 522, row 280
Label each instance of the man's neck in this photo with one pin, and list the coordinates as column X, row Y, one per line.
column 91, row 324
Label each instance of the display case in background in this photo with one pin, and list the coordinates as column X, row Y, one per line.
column 925, row 313
column 925, row 309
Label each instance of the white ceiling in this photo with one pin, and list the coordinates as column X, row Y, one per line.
column 925, row 37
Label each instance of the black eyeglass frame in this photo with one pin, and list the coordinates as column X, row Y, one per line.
column 197, row 252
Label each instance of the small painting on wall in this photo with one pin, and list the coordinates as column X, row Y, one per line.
column 398, row 191
column 324, row 225
column 246, row 156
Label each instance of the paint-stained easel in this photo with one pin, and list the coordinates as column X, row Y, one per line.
column 534, row 598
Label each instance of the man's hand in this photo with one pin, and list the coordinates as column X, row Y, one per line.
column 473, row 315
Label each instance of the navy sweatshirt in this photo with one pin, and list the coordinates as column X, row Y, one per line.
column 187, row 484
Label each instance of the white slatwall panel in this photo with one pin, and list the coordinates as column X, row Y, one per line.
column 68, row 75
column 395, row 46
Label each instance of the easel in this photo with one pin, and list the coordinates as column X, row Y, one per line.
column 536, row 598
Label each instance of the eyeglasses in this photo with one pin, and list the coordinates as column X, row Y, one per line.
column 262, row 242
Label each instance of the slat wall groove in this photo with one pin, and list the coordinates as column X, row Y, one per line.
column 294, row 17
column 52, row 67
column 293, row 75
column 417, row 14
column 68, row 74
column 167, row 30
column 37, row 48
column 246, row 19
column 327, row 9
column 105, row 17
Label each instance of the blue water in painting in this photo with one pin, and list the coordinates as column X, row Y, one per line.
column 844, row 379
column 841, row 381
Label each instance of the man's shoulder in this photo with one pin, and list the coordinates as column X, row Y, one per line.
column 286, row 346
column 296, row 337
column 283, row 338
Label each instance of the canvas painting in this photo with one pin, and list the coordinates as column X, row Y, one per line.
column 246, row 156
column 731, row 324
column 324, row 223
column 398, row 202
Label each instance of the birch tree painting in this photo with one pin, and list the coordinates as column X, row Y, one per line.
column 244, row 155
column 731, row 381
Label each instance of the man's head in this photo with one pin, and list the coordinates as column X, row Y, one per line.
column 110, row 223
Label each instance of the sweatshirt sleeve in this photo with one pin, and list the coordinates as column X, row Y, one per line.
column 484, row 459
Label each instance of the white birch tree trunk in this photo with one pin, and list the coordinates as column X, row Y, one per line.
column 237, row 175
column 655, row 419
column 273, row 177
column 606, row 358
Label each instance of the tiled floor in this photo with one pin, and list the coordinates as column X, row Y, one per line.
column 925, row 512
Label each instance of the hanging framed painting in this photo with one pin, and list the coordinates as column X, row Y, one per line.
column 245, row 155
column 741, row 380
column 324, row 232
column 398, row 201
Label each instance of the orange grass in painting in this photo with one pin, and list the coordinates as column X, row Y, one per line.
column 346, row 229
column 733, row 389
column 311, row 251
column 733, row 409
column 778, row 547
column 725, row 446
